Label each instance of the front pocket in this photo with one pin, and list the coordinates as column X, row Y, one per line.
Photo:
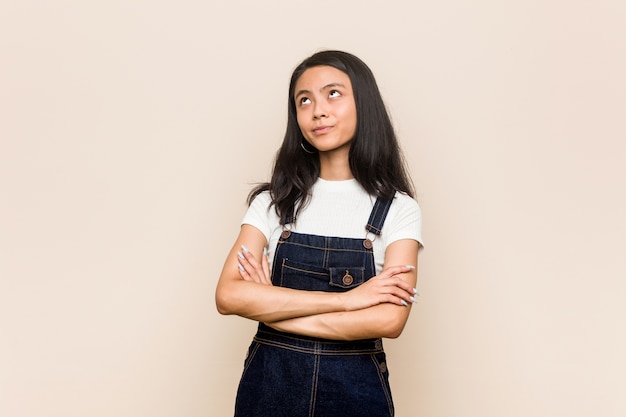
column 346, row 277
column 302, row 276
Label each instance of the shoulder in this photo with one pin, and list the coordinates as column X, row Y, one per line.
column 404, row 220
column 261, row 215
column 404, row 203
column 262, row 200
column 405, row 210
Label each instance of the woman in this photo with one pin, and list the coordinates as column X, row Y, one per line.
column 338, row 224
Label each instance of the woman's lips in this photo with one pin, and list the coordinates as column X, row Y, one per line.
column 322, row 129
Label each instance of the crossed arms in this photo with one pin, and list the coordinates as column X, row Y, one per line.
column 377, row 308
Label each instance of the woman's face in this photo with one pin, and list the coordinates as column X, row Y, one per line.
column 325, row 108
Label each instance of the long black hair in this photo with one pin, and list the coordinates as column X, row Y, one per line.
column 375, row 158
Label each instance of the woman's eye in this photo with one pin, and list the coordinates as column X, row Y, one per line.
column 334, row 93
column 304, row 100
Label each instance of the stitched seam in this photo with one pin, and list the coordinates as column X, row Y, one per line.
column 383, row 386
column 317, row 351
column 249, row 359
column 329, row 249
column 290, row 336
column 326, row 253
column 282, row 268
column 303, row 270
column 314, row 386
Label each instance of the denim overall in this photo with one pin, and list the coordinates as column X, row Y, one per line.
column 287, row 375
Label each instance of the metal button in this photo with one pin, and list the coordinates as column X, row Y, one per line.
column 347, row 279
column 367, row 243
column 383, row 367
column 285, row 234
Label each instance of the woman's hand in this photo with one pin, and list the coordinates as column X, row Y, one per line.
column 387, row 287
column 251, row 270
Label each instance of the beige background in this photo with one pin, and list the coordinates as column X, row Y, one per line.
column 131, row 132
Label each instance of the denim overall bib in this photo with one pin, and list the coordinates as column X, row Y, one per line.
column 287, row 375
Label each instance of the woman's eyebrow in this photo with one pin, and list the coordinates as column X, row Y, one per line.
column 326, row 87
column 302, row 92
column 332, row 85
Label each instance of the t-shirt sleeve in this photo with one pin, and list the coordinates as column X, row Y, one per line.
column 259, row 214
column 405, row 221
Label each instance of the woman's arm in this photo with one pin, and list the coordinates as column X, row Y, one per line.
column 382, row 320
column 248, row 293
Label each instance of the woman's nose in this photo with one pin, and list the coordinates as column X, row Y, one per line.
column 320, row 111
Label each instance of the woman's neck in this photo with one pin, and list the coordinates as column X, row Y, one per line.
column 334, row 167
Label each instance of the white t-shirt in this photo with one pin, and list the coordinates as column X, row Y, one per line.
column 340, row 209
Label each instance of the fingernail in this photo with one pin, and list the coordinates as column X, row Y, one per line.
column 245, row 250
column 265, row 251
column 413, row 300
column 240, row 255
column 410, row 266
column 240, row 267
column 416, row 292
column 404, row 303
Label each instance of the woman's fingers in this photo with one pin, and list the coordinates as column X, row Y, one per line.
column 389, row 277
column 250, row 269
column 241, row 264
column 402, row 296
column 393, row 289
column 397, row 293
column 387, row 287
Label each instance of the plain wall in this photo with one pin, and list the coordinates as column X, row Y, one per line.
column 131, row 132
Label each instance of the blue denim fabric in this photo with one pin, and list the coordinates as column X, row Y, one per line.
column 298, row 376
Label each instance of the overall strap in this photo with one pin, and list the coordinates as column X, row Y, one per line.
column 378, row 215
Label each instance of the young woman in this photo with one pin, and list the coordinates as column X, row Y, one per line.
column 341, row 231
